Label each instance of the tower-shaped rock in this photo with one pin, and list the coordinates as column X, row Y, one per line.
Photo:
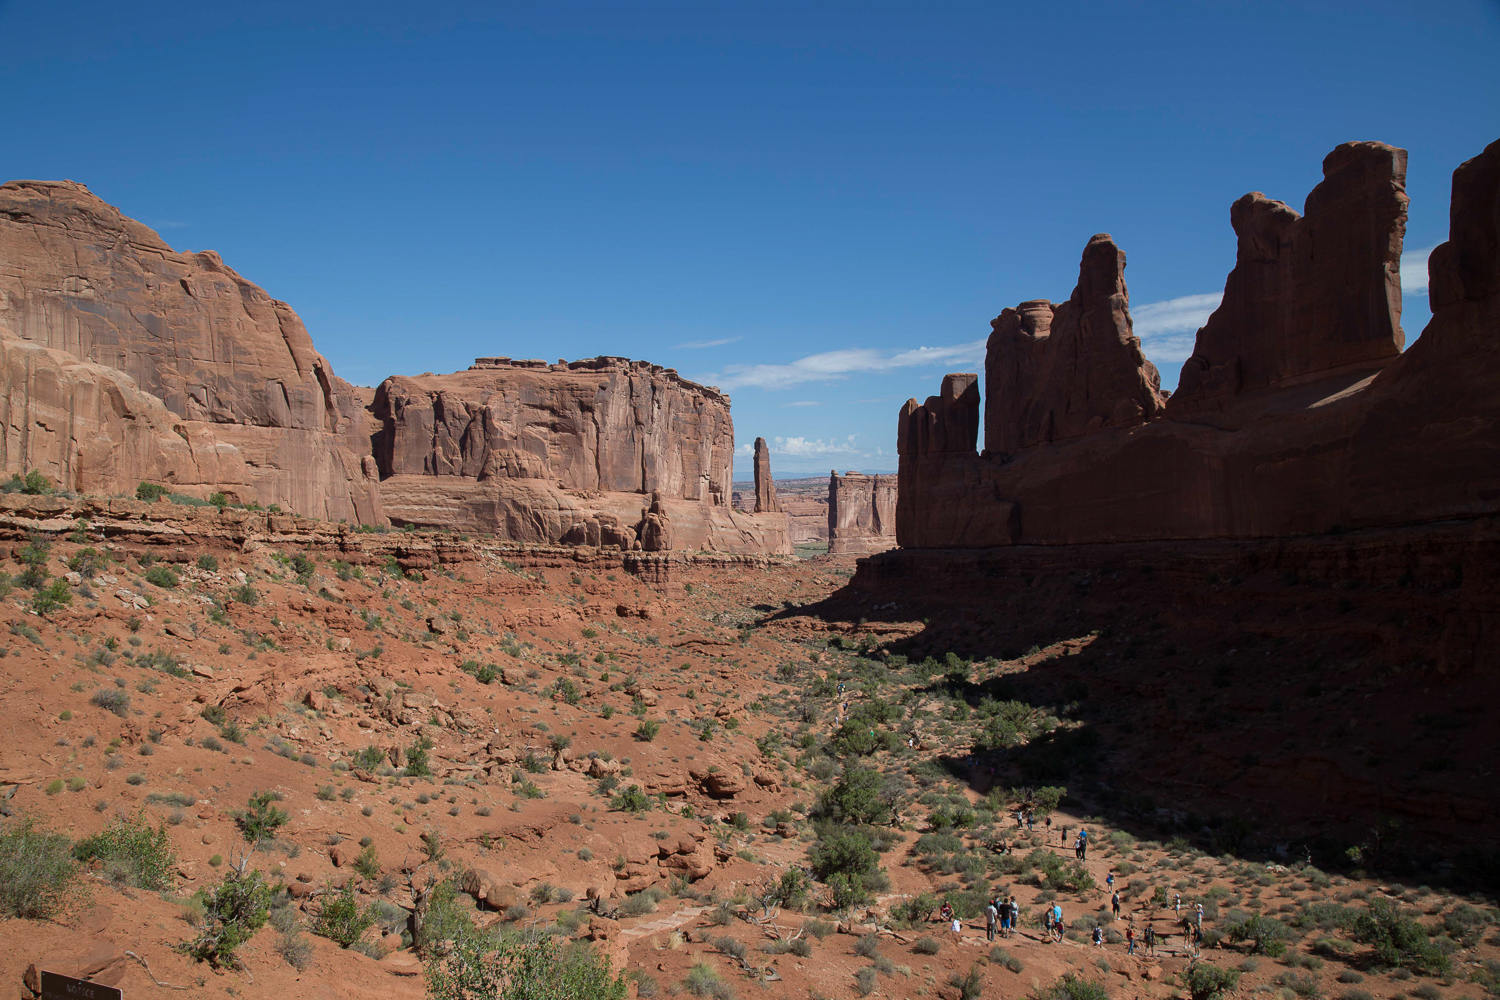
column 765, row 486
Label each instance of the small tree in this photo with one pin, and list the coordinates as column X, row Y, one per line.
column 150, row 492
column 340, row 918
column 859, row 798
column 51, row 597
column 233, row 911
column 1398, row 940
column 416, row 759
column 261, row 818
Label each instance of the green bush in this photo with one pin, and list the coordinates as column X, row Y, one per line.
column 416, row 759
column 233, row 911
column 368, row 862
column 49, row 598
column 246, row 595
column 647, row 730
column 522, row 967
column 208, row 563
column 444, row 919
column 368, row 758
column 970, row 985
column 340, row 919
column 131, row 853
column 162, row 577
column 260, row 819
column 1398, row 941
column 858, row 798
column 1071, row 987
column 151, row 492
column 926, row 945
column 1265, row 934
column 1206, row 981
column 631, row 800
column 38, row 876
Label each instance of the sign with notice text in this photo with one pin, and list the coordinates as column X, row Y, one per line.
column 59, row 987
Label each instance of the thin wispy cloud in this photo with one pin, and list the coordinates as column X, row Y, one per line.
column 1414, row 270
column 805, row 402
column 1168, row 329
column 695, row 345
column 836, row 365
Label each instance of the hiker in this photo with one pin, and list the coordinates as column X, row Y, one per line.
column 1130, row 940
column 1030, row 822
column 1114, row 904
column 1150, row 939
column 1198, row 916
column 1098, row 936
column 991, row 918
column 1109, row 881
column 958, row 927
column 1083, row 845
column 946, row 912
column 1047, row 924
column 1057, row 920
column 1177, row 903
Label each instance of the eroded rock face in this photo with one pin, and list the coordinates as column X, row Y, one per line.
column 1322, row 424
column 765, row 486
column 1311, row 294
column 861, row 513
column 231, row 364
column 1054, row 372
column 605, row 451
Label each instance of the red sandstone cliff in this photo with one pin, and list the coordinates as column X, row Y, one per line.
column 576, row 451
column 1296, row 414
column 260, row 412
column 861, row 513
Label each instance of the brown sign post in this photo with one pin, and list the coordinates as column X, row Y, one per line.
column 56, row 986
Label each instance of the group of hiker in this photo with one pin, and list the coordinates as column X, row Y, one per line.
column 1002, row 916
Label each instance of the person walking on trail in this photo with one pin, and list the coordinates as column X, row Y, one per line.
column 991, row 918
column 1083, row 845
column 1150, row 937
column 1177, row 903
column 1114, row 905
column 1130, row 940
column 1198, row 916
column 1109, row 881
column 1047, row 924
column 1098, row 936
column 1057, row 921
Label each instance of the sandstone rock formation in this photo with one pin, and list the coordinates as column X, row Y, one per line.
column 1058, row 372
column 1309, row 295
column 765, row 486
column 262, row 412
column 861, row 513
column 569, row 452
column 1296, row 414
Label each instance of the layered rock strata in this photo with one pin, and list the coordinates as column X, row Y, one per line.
column 861, row 513
column 1296, row 413
column 263, row 414
column 605, row 451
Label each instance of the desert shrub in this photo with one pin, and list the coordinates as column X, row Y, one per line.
column 631, row 800
column 260, row 819
column 522, row 967
column 151, row 492
column 246, row 595
column 1003, row 958
column 970, row 985
column 445, row 919
column 293, row 947
column 38, row 875
column 131, row 853
column 1397, row 940
column 864, row 980
column 859, row 797
column 926, row 945
column 1071, row 987
column 368, row 862
column 416, row 759
column 341, row 919
column 208, row 563
column 1265, row 934
column 848, row 863
column 1206, row 981
column 162, row 577
column 112, row 700
column 647, row 730
column 368, row 758
column 50, row 597
column 703, row 980
column 233, row 911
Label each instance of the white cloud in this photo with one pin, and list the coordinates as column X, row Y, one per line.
column 1168, row 329
column 1414, row 271
column 801, row 447
column 694, row 345
column 834, row 365
column 805, row 402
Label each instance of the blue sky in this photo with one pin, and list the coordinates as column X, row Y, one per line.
column 817, row 206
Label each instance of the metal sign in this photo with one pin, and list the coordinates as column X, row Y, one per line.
column 56, row 986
